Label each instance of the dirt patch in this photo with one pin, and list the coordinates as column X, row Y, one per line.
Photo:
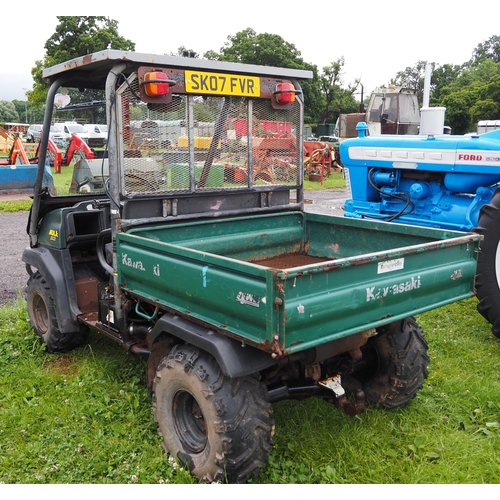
column 62, row 365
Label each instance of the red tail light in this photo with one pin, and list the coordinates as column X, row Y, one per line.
column 156, row 84
column 285, row 93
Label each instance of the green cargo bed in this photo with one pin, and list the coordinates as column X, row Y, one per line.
column 290, row 281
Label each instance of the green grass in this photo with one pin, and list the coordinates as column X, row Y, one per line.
column 62, row 181
column 334, row 181
column 85, row 417
column 15, row 206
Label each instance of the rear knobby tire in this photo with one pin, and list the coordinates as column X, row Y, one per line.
column 220, row 427
column 488, row 263
column 41, row 306
column 399, row 364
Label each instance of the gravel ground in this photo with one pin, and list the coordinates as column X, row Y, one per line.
column 14, row 239
column 325, row 202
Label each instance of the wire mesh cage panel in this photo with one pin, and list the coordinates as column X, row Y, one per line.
column 201, row 143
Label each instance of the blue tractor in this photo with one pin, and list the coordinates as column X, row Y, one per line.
column 442, row 181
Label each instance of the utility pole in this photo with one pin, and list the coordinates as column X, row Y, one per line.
column 25, row 105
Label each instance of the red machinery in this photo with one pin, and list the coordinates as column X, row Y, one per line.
column 76, row 145
column 318, row 158
column 16, row 151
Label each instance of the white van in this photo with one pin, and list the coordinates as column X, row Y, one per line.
column 69, row 128
column 98, row 134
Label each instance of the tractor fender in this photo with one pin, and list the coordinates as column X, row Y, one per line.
column 234, row 358
column 55, row 267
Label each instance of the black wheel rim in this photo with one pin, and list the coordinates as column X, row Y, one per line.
column 40, row 313
column 189, row 422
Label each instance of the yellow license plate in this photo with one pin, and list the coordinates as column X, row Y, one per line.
column 200, row 82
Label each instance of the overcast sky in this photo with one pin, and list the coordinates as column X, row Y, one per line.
column 376, row 38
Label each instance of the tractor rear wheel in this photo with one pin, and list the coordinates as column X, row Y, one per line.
column 488, row 263
column 220, row 427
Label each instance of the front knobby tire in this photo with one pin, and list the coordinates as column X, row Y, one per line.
column 488, row 263
column 220, row 427
column 398, row 364
column 41, row 306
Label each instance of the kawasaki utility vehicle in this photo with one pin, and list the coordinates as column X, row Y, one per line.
column 184, row 240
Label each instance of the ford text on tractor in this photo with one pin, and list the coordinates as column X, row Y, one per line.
column 434, row 180
column 196, row 253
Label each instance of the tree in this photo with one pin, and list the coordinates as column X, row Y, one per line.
column 470, row 92
column 472, row 95
column 413, row 78
column 272, row 50
column 22, row 110
column 75, row 36
column 313, row 99
column 458, row 106
column 442, row 77
column 487, row 50
column 483, row 110
column 8, row 112
column 487, row 105
column 265, row 49
column 336, row 100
